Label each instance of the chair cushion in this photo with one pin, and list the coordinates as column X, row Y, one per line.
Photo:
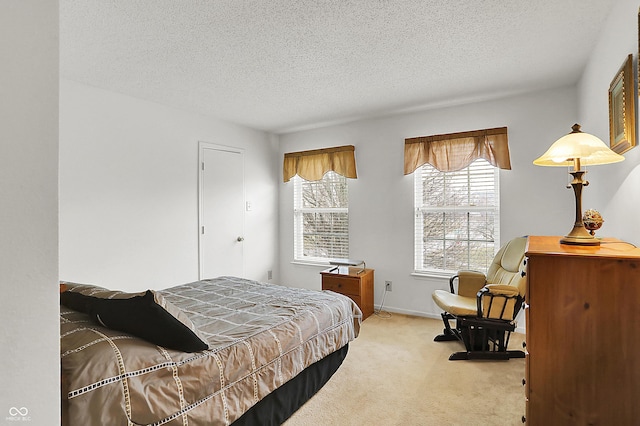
column 470, row 283
column 503, row 304
column 513, row 253
column 507, row 265
column 455, row 304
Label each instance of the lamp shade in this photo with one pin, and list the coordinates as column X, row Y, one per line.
column 578, row 145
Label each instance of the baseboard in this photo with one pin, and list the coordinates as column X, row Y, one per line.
column 407, row 312
column 520, row 328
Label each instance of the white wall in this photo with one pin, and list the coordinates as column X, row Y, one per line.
column 614, row 189
column 534, row 199
column 129, row 190
column 30, row 365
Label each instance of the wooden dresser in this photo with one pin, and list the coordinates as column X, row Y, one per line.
column 347, row 281
column 583, row 333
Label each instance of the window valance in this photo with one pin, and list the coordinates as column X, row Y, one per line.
column 312, row 165
column 455, row 151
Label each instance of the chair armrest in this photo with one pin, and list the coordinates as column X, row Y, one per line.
column 502, row 290
column 469, row 283
column 498, row 301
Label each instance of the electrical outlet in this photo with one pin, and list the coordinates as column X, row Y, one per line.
column 269, row 275
column 387, row 286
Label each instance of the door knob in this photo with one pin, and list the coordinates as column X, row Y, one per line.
column 240, row 239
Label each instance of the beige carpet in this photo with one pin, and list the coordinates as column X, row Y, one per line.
column 395, row 374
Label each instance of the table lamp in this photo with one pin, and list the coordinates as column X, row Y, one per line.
column 578, row 149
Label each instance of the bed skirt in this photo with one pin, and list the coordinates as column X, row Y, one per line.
column 280, row 404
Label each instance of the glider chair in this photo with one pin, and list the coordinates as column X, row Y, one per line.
column 485, row 306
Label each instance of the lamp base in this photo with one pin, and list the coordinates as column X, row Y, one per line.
column 579, row 241
column 579, row 236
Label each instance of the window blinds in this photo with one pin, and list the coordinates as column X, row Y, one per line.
column 457, row 217
column 321, row 218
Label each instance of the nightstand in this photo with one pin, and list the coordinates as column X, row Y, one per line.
column 347, row 281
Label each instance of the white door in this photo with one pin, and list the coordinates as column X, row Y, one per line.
column 221, row 211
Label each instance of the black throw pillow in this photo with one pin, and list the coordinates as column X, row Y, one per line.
column 140, row 316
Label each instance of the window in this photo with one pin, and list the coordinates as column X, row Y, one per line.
column 457, row 218
column 321, row 218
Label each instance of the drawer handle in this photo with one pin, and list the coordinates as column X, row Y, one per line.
column 524, row 419
column 524, row 382
column 523, row 274
column 524, row 344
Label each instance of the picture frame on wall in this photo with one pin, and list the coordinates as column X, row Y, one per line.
column 622, row 114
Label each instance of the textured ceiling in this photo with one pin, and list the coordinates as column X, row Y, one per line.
column 281, row 65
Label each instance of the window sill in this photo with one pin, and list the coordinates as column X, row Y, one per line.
column 310, row 263
column 433, row 274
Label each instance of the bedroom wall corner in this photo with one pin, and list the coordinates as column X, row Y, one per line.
column 29, row 336
column 261, row 222
column 613, row 189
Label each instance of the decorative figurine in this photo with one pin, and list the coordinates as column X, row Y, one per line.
column 592, row 220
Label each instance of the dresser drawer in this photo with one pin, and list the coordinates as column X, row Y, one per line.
column 350, row 287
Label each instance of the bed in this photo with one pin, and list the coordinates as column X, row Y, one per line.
column 212, row 352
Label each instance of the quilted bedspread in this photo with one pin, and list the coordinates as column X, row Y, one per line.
column 260, row 336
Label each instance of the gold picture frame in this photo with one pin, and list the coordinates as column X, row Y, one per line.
column 622, row 113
